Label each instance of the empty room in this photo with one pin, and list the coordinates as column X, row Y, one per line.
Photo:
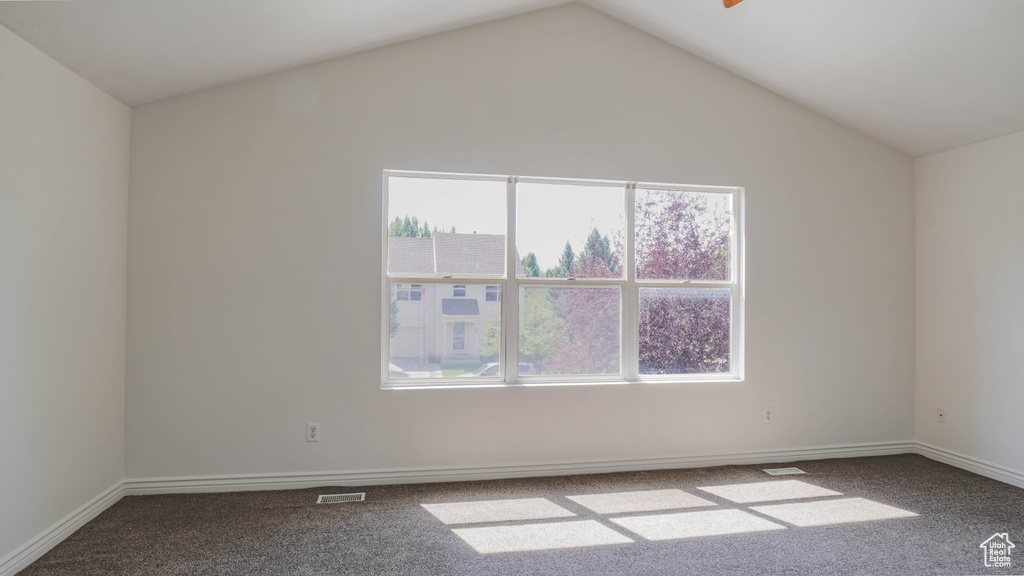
column 511, row 287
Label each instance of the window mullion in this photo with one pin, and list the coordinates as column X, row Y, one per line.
column 630, row 295
column 509, row 362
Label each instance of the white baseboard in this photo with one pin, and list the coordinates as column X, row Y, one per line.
column 416, row 475
column 987, row 469
column 41, row 544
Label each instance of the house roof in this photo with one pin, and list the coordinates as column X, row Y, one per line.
column 455, row 254
column 410, row 255
column 470, row 253
column 459, row 307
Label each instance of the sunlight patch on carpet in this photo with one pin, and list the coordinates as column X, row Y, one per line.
column 695, row 524
column 531, row 537
column 827, row 512
column 497, row 511
column 642, row 501
column 769, row 491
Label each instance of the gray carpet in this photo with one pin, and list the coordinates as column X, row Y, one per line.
column 392, row 533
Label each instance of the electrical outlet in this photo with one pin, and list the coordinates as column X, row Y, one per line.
column 941, row 415
column 312, row 432
column 768, row 415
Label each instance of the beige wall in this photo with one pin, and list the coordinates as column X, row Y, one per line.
column 63, row 234
column 970, row 310
column 254, row 260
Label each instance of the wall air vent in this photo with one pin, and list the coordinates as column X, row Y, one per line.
column 336, row 498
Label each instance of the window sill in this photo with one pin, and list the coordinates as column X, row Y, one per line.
column 449, row 385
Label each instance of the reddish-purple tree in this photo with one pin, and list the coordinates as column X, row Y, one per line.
column 590, row 320
column 684, row 331
column 684, row 236
column 590, row 317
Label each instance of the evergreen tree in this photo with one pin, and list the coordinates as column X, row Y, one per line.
column 530, row 265
column 564, row 269
column 597, row 260
column 410, row 226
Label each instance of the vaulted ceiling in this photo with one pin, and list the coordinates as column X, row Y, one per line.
column 920, row 75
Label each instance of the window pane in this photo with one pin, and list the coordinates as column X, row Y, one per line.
column 570, row 230
column 437, row 336
column 493, row 293
column 569, row 330
column 684, row 330
column 683, row 235
column 445, row 226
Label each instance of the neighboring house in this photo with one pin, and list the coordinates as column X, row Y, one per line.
column 445, row 323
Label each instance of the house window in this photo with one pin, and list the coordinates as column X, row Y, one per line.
column 493, row 294
column 459, row 336
column 613, row 281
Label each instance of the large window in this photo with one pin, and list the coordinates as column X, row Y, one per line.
column 606, row 281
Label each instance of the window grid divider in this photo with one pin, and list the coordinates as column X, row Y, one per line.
column 509, row 333
column 630, row 293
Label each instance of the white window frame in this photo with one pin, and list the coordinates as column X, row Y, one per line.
column 628, row 284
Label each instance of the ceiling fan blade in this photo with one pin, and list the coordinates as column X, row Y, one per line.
column 731, row 3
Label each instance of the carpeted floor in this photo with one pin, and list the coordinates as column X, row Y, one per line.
column 883, row 515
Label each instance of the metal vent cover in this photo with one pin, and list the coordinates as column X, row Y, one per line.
column 783, row 471
column 336, row 498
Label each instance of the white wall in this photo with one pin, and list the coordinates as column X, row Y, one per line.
column 970, row 309
column 254, row 255
column 63, row 233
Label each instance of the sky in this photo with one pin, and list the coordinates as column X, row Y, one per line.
column 548, row 214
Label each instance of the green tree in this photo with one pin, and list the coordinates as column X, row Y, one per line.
column 530, row 265
column 395, row 323
column 490, row 345
column 564, row 268
column 540, row 333
column 410, row 226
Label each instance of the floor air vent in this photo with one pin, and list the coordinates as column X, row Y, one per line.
column 783, row 471
column 336, row 498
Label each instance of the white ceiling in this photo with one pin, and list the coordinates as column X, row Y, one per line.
column 920, row 75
